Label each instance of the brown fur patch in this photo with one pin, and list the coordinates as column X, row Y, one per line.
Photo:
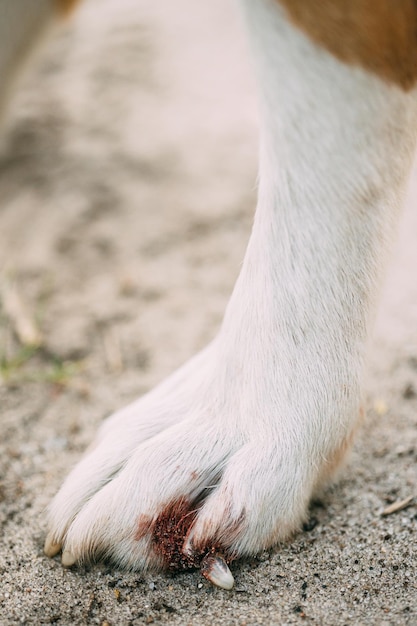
column 168, row 533
column 378, row 35
column 66, row 6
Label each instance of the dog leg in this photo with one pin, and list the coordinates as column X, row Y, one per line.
column 225, row 455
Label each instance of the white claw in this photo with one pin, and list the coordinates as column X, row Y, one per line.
column 51, row 548
column 67, row 558
column 216, row 570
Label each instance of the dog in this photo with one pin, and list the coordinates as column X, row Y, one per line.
column 221, row 460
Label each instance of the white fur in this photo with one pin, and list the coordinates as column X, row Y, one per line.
column 255, row 418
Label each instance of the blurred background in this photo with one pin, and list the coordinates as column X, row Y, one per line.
column 127, row 184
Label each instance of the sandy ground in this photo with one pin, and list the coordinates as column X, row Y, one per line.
column 127, row 186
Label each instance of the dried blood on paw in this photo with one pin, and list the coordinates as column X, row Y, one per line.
column 168, row 533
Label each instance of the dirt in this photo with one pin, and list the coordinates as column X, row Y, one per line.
column 127, row 186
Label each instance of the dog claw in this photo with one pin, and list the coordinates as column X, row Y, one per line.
column 216, row 570
column 67, row 558
column 51, row 548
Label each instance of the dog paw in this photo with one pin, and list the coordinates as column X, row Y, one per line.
column 188, row 477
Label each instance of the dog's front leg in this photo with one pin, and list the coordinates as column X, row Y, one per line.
column 225, row 455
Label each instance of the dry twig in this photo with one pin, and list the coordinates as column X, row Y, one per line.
column 397, row 506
